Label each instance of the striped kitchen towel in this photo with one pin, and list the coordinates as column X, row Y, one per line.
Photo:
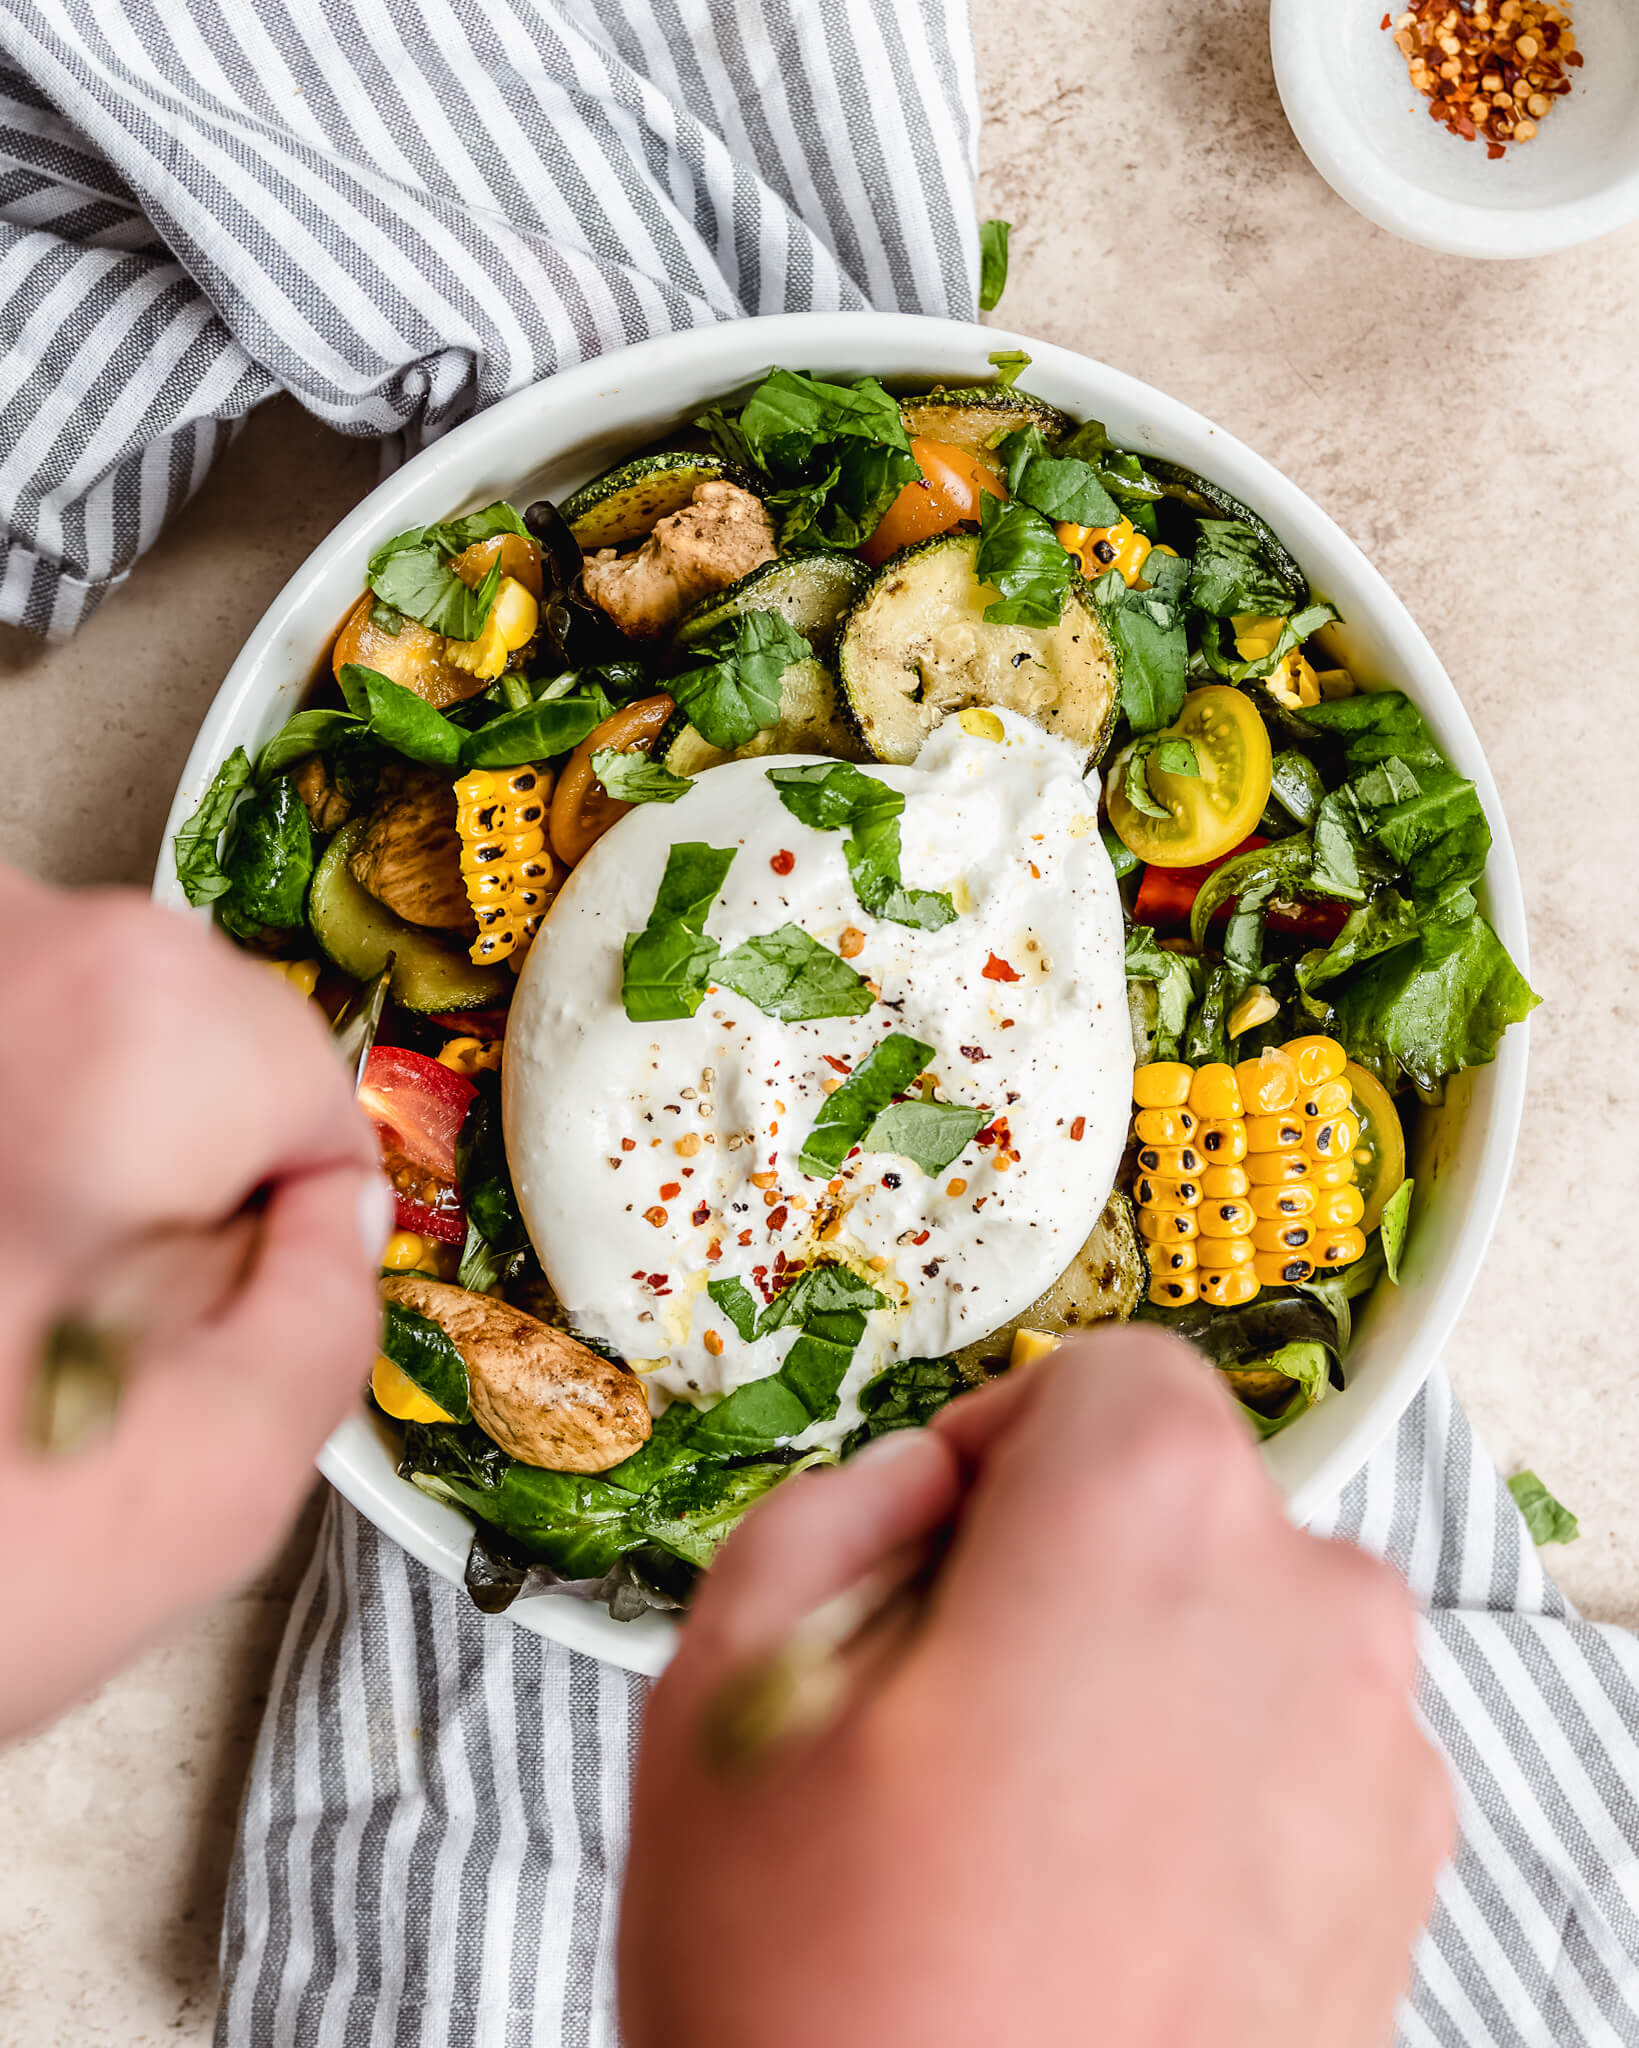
column 400, row 210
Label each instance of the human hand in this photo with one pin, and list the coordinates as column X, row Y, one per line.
column 1145, row 1775
column 185, row 1169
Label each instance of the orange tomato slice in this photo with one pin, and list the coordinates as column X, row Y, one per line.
column 952, row 482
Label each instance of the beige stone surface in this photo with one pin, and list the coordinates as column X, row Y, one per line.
column 1472, row 427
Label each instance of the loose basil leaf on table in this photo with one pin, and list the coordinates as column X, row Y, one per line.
column 993, row 236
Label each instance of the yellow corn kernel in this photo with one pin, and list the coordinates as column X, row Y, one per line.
column 1164, row 1226
column 1215, row 1094
column 1100, row 549
column 407, row 1253
column 1173, row 1290
column 1256, row 634
column 980, row 724
column 1269, row 1083
column 1163, row 1126
column 1289, row 1234
column 471, row 1055
column 1294, row 683
column 399, row 1396
column 1271, row 1169
column 1339, row 1208
column 1226, row 1219
column 1338, row 1247
column 1220, row 1183
column 1171, row 1162
column 1274, row 1134
column 1231, row 1287
column 516, row 613
column 493, row 945
column 1167, row 1194
column 1030, row 1347
column 1271, row 1204
column 1256, row 1007
column 1224, row 1144
column 1172, row 1258
column 1331, row 1173
column 1283, row 1269
column 1332, row 1137
column 1327, row 1098
column 1317, row 1059
column 1163, row 1084
column 1214, row 1253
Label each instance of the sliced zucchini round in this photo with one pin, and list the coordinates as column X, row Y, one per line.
column 1104, row 1282
column 626, row 503
column 1207, row 500
column 976, row 417
column 357, row 933
column 917, row 646
column 811, row 592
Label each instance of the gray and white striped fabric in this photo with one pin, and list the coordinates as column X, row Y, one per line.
column 399, row 210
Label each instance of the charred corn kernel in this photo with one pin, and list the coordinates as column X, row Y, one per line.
column 1256, row 634
column 1222, row 1144
column 1332, row 1137
column 1164, row 1084
column 407, row 1253
column 1293, row 683
column 1225, row 1219
column 1231, row 1287
column 1163, row 1126
column 1329, row 1098
column 1290, row 1234
column 399, row 1396
column 1173, row 1290
column 980, row 724
column 471, row 1055
column 1271, row 1169
column 1172, row 1258
column 500, row 814
column 1256, row 1007
column 1283, row 1133
column 1316, row 1059
column 1214, row 1253
column 1338, row 1247
column 1221, row 1182
column 1338, row 1208
column 1215, row 1094
column 1030, row 1347
column 1099, row 549
column 1170, row 1162
column 1283, row 1269
column 1269, row 1083
column 1294, row 1198
column 1167, row 1194
column 1161, row 1226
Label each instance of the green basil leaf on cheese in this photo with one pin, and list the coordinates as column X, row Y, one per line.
column 194, row 848
column 733, row 1297
column 1021, row 557
column 735, row 693
column 629, row 775
column 793, row 977
column 929, row 1134
column 838, row 796
column 993, row 236
column 846, row 1116
column 666, row 966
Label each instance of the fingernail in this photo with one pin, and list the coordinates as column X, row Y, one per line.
column 377, row 1213
column 882, row 1448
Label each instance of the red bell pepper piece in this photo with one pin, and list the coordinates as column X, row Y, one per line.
column 418, row 1107
column 1166, row 897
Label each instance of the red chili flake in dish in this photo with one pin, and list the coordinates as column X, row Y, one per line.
column 997, row 969
column 841, row 1066
column 973, row 1052
column 921, row 1237
column 714, row 1251
column 783, row 862
column 628, row 1144
column 776, row 1217
column 1078, row 1130
column 640, row 1274
column 657, row 1279
column 744, row 1237
column 701, row 1215
column 670, row 1190
column 1007, row 1024
column 655, row 1216
column 1387, row 21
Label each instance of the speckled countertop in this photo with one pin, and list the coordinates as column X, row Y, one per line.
column 1472, row 427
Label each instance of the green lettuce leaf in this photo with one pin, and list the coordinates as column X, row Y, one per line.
column 1548, row 1520
column 1433, row 1008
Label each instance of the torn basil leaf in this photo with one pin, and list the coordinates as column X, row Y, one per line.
column 412, row 573
column 427, row 1356
column 845, row 1116
column 632, row 777
column 793, row 977
column 1058, row 487
column 993, row 236
column 399, row 718
column 268, row 861
column 308, row 732
column 836, row 795
column 930, row 1134
column 666, row 966
column 1392, row 1228
column 1152, row 646
column 194, row 847
column 1548, row 1520
column 735, row 693
column 1022, row 558
column 1234, row 570
column 733, row 1297
column 538, row 732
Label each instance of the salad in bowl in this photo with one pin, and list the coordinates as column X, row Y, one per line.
column 873, row 881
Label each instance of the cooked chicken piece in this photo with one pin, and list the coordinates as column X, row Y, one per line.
column 712, row 542
column 545, row 1399
column 410, row 854
column 327, row 806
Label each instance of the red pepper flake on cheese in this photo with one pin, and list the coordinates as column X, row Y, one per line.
column 1078, row 1130
column 701, row 1215
column 997, row 969
column 783, row 862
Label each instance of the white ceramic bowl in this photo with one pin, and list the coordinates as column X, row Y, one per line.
column 551, row 438
column 1350, row 101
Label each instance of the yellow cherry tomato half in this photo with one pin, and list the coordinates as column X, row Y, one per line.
column 397, row 1395
column 948, row 492
column 1209, row 814
column 1380, row 1150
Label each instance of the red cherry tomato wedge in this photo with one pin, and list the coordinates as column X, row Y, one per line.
column 1167, row 895
column 418, row 1108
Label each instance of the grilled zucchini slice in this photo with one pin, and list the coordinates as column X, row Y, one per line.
column 1207, row 500
column 357, row 933
column 977, row 416
column 917, row 646
column 625, row 504
column 813, row 592
column 1104, row 1282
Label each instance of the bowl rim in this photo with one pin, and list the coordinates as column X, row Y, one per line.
column 1359, row 175
column 276, row 663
